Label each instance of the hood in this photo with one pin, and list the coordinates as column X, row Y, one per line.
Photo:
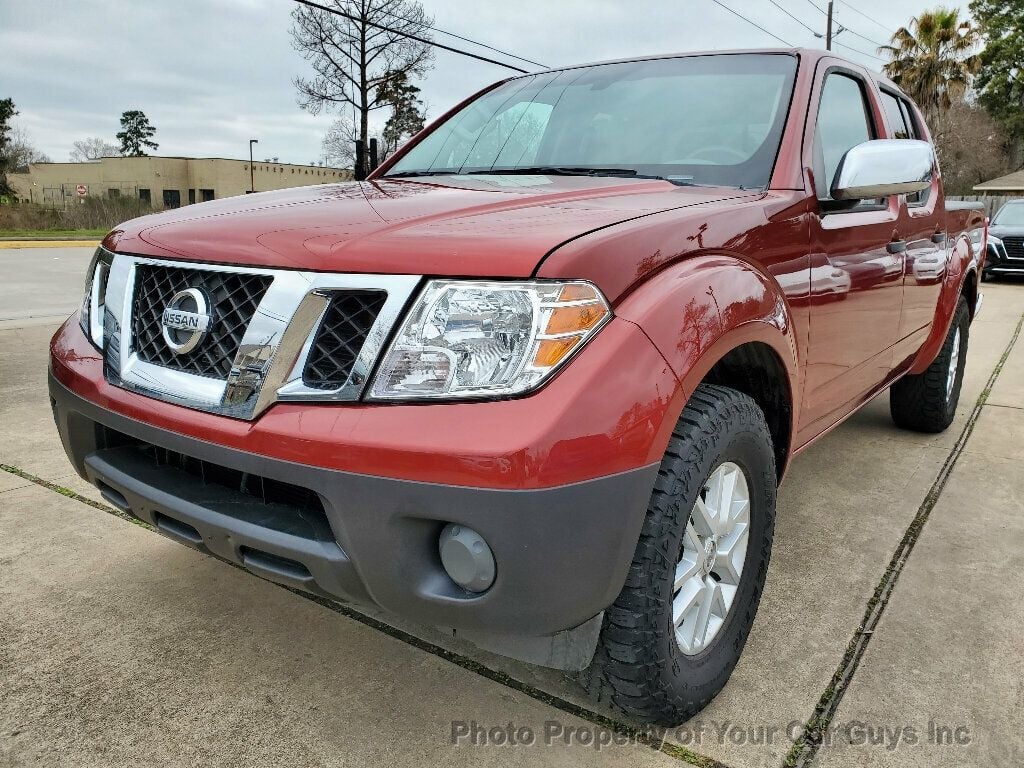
column 472, row 226
column 1003, row 231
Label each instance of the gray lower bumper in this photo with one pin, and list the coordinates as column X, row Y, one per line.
column 562, row 553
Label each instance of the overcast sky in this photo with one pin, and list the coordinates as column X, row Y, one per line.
column 211, row 74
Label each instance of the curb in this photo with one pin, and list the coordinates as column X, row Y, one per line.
column 56, row 243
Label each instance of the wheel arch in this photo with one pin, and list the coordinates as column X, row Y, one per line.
column 961, row 280
column 720, row 320
column 756, row 369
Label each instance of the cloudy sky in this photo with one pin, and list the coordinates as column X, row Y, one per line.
column 210, row 74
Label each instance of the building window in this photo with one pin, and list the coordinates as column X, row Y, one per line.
column 191, row 197
column 113, row 193
column 172, row 198
column 144, row 196
column 206, row 195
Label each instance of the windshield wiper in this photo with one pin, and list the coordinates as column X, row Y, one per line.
column 414, row 174
column 552, row 170
column 562, row 170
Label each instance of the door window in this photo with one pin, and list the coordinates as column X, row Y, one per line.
column 902, row 126
column 843, row 123
column 894, row 115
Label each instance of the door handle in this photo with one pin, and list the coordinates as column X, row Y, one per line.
column 897, row 246
column 939, row 238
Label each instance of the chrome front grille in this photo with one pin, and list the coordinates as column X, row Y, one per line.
column 233, row 299
column 340, row 337
column 262, row 335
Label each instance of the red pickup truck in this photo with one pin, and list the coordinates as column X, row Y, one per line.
column 536, row 380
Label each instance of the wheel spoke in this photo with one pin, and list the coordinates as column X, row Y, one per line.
column 703, row 518
column 690, row 595
column 710, row 599
column 740, row 512
column 732, row 551
column 729, row 478
column 689, row 563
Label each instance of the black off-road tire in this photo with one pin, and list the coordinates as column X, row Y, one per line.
column 920, row 402
column 639, row 668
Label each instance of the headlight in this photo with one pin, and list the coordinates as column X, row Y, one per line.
column 94, row 302
column 995, row 246
column 487, row 339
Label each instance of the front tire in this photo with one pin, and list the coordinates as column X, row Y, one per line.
column 663, row 654
column 927, row 402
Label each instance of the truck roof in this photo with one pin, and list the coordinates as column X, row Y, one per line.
column 811, row 55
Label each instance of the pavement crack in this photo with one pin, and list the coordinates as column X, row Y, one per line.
column 806, row 747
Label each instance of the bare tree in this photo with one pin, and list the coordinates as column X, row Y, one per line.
column 971, row 147
column 20, row 152
column 92, row 149
column 406, row 119
column 355, row 59
column 338, row 146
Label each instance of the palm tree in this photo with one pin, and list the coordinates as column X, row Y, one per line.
column 933, row 59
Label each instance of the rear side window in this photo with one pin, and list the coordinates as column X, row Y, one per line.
column 903, row 126
column 843, row 122
column 895, row 116
column 908, row 118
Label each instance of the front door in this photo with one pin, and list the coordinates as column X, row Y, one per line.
column 856, row 267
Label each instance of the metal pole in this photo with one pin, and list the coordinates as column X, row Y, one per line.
column 828, row 31
column 252, row 183
column 359, row 166
column 373, row 155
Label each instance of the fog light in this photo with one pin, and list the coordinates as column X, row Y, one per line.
column 466, row 557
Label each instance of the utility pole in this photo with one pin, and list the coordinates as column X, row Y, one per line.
column 252, row 185
column 828, row 29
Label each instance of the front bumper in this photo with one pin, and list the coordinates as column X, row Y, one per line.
column 562, row 553
column 999, row 262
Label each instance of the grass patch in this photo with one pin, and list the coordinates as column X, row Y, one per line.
column 48, row 234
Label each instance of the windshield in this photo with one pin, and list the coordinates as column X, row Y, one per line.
column 711, row 119
column 1010, row 215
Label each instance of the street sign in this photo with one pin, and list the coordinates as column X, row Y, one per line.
column 82, row 190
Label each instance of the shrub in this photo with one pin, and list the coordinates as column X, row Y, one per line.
column 88, row 213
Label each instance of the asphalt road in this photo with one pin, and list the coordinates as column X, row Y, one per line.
column 40, row 286
column 121, row 648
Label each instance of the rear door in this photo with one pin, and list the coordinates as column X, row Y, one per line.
column 856, row 268
column 923, row 230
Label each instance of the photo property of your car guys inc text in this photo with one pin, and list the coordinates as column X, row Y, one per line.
column 390, row 382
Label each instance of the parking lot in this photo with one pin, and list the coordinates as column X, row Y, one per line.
column 892, row 613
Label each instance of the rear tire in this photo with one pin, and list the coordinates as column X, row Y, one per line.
column 640, row 666
column 927, row 402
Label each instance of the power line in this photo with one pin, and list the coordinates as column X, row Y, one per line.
column 857, row 50
column 817, row 8
column 418, row 39
column 794, row 18
column 855, row 33
column 843, row 27
column 869, row 18
column 474, row 42
column 740, row 16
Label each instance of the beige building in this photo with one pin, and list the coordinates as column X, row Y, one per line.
column 163, row 182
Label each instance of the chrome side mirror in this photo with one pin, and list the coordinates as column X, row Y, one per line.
column 884, row 167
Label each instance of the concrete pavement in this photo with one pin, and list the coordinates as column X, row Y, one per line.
column 124, row 648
